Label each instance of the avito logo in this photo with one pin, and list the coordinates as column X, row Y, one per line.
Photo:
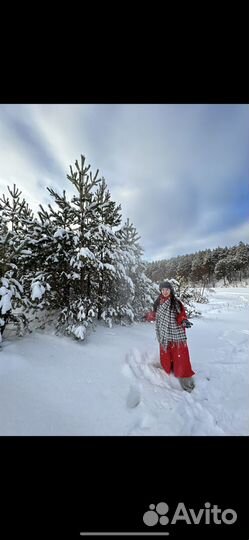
column 207, row 515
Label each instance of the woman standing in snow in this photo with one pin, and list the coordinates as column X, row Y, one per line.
column 171, row 322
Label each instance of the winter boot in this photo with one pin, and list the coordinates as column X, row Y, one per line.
column 187, row 383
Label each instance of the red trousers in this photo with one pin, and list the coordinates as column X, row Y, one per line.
column 176, row 358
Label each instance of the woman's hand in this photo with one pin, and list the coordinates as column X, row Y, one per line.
column 186, row 323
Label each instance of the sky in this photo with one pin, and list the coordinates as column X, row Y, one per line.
column 180, row 172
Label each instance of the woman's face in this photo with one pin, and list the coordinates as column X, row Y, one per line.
column 165, row 292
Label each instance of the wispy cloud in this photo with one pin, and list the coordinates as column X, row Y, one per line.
column 180, row 172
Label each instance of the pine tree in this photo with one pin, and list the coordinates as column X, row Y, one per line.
column 220, row 269
column 72, row 258
column 58, row 247
column 184, row 267
column 106, row 246
column 197, row 271
column 242, row 256
column 14, row 216
column 142, row 290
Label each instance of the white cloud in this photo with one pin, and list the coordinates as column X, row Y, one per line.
column 173, row 168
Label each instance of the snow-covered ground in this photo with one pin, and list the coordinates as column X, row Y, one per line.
column 113, row 383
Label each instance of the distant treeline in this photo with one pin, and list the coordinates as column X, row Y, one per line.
column 204, row 268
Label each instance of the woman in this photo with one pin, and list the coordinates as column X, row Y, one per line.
column 171, row 321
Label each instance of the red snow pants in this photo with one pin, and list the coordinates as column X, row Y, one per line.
column 176, row 358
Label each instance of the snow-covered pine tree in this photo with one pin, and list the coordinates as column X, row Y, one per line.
column 71, row 260
column 220, row 269
column 143, row 290
column 232, row 267
column 83, row 262
column 197, row 270
column 242, row 256
column 14, row 216
column 15, row 210
column 105, row 245
column 184, row 267
column 120, row 289
column 31, row 261
column 59, row 239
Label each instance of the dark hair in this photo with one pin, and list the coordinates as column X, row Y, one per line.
column 174, row 302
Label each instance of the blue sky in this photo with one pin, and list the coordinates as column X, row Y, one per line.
column 180, row 172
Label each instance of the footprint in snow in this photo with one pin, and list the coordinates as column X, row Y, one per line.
column 134, row 397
